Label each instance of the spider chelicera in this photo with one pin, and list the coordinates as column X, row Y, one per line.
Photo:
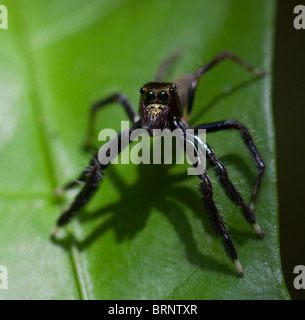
column 166, row 105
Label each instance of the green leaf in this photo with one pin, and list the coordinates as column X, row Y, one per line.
column 145, row 234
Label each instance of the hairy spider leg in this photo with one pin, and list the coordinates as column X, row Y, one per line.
column 133, row 116
column 92, row 182
column 221, row 57
column 248, row 140
column 81, row 179
column 206, row 192
column 231, row 191
column 92, row 179
column 117, row 97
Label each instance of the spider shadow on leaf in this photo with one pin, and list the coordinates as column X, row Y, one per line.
column 129, row 215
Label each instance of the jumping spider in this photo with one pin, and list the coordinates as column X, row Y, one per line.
column 166, row 105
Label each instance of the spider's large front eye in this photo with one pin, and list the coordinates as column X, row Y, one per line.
column 150, row 95
column 162, row 96
column 142, row 90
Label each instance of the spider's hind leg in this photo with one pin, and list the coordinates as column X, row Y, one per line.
column 165, row 65
column 226, row 55
column 231, row 191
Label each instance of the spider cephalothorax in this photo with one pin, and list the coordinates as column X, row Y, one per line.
column 165, row 105
column 159, row 105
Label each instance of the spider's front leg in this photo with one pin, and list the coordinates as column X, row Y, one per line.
column 92, row 177
column 206, row 191
column 92, row 181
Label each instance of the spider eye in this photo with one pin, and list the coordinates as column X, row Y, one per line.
column 172, row 89
column 150, row 95
column 162, row 96
column 142, row 90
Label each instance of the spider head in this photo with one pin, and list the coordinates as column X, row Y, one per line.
column 158, row 104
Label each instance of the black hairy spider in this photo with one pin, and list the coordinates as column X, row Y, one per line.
column 166, row 105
